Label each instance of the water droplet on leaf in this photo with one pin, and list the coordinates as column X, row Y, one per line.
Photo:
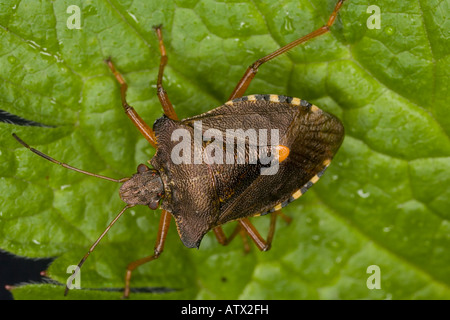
column 389, row 30
column 12, row 59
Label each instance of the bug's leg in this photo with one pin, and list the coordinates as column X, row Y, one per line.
column 245, row 81
column 262, row 244
column 244, row 238
column 162, row 94
column 146, row 131
column 245, row 227
column 224, row 240
column 164, row 224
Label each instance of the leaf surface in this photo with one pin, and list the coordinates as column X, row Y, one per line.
column 384, row 201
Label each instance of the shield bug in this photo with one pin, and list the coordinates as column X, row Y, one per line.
column 251, row 156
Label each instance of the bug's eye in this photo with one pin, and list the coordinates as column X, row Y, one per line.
column 142, row 168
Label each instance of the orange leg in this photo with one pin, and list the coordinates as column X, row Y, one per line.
column 162, row 94
column 262, row 244
column 286, row 218
column 164, row 224
column 245, row 81
column 146, row 131
column 245, row 227
column 224, row 240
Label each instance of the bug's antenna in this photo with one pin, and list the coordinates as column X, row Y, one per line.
column 80, row 264
column 43, row 155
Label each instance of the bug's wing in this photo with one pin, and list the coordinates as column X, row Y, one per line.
column 312, row 136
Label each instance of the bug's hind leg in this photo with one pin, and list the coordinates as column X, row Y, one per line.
column 162, row 94
column 224, row 240
column 245, row 227
column 146, row 131
column 245, row 81
column 263, row 245
column 164, row 224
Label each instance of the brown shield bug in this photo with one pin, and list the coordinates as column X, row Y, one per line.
column 215, row 167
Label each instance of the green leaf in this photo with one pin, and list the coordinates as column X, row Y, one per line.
column 384, row 201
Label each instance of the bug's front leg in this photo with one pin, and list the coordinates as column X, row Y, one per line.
column 245, row 227
column 245, row 81
column 144, row 128
column 169, row 111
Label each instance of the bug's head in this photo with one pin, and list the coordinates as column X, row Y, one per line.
column 144, row 188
